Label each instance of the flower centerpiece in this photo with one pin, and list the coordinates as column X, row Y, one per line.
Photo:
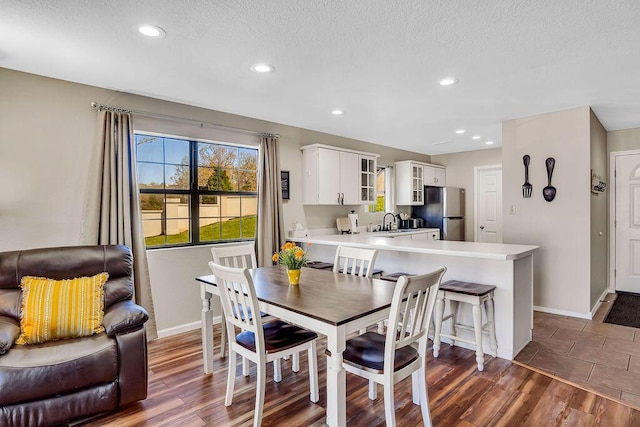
column 294, row 258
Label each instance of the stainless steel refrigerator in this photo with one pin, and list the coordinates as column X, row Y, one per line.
column 444, row 209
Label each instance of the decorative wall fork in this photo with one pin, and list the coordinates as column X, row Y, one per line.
column 527, row 188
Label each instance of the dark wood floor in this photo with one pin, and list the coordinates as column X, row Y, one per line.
column 505, row 394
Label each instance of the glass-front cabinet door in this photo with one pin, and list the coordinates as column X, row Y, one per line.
column 417, row 189
column 367, row 180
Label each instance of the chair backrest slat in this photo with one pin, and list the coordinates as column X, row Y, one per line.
column 355, row 261
column 238, row 256
column 411, row 308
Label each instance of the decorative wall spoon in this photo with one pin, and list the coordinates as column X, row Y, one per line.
column 549, row 192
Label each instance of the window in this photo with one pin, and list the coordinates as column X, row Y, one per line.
column 194, row 192
column 379, row 206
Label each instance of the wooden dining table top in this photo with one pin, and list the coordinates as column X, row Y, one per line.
column 334, row 298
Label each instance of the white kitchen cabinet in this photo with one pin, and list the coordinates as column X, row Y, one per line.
column 409, row 183
column 435, row 176
column 427, row 235
column 334, row 176
column 368, row 169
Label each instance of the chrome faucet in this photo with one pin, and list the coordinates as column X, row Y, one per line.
column 384, row 218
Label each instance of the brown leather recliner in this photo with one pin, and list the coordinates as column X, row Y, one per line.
column 60, row 381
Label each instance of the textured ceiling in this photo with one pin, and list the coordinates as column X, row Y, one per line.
column 379, row 61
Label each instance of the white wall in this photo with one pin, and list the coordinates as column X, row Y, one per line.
column 460, row 173
column 562, row 227
column 48, row 135
column 623, row 140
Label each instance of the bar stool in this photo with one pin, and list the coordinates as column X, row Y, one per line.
column 479, row 296
column 393, row 277
column 320, row 265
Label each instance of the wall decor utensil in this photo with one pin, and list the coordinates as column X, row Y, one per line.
column 527, row 188
column 549, row 192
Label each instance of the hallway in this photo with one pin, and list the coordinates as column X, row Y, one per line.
column 593, row 355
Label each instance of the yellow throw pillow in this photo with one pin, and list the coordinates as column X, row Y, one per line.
column 58, row 309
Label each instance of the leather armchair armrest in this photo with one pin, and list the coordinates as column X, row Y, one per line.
column 124, row 316
column 9, row 331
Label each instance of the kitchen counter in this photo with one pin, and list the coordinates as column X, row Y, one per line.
column 509, row 267
column 380, row 240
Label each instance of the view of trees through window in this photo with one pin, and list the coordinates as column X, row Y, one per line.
column 380, row 192
column 196, row 192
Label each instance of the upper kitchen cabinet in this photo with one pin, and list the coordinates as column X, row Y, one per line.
column 409, row 183
column 435, row 176
column 337, row 176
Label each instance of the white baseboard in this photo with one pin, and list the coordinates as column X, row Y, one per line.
column 599, row 303
column 175, row 330
column 587, row 316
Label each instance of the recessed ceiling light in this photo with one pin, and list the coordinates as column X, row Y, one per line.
column 475, row 137
column 151, row 31
column 337, row 112
column 460, row 131
column 448, row 81
column 262, row 68
column 489, row 142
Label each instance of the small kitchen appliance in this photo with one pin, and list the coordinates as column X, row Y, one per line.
column 353, row 222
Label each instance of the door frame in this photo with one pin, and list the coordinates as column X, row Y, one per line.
column 612, row 214
column 476, row 172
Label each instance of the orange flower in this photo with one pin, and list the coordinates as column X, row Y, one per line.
column 289, row 245
column 299, row 253
column 275, row 257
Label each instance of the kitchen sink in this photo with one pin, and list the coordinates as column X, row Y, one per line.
column 407, row 230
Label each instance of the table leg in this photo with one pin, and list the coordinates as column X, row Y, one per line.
column 207, row 329
column 336, row 380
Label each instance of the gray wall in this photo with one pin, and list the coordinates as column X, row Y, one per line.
column 460, row 173
column 562, row 227
column 599, row 213
column 48, row 135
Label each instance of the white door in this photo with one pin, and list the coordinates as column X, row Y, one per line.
column 488, row 196
column 627, row 223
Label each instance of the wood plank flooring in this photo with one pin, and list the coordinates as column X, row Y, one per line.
column 505, row 394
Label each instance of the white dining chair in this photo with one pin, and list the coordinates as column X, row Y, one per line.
column 242, row 256
column 259, row 342
column 388, row 359
column 356, row 261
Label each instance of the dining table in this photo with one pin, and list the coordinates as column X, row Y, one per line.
column 331, row 304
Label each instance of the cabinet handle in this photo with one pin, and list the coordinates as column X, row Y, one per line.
column 342, row 199
column 339, row 199
column 482, row 227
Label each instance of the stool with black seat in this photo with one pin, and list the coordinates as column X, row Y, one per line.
column 479, row 296
column 393, row 277
column 319, row 265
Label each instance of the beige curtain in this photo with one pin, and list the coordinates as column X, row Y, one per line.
column 270, row 229
column 113, row 210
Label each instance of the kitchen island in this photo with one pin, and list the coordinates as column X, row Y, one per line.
column 508, row 267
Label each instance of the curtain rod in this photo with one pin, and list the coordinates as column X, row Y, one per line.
column 102, row 107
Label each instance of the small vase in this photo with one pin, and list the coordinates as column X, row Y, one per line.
column 294, row 276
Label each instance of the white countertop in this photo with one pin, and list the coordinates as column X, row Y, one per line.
column 497, row 251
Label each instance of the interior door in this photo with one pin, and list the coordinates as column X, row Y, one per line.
column 489, row 205
column 627, row 223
